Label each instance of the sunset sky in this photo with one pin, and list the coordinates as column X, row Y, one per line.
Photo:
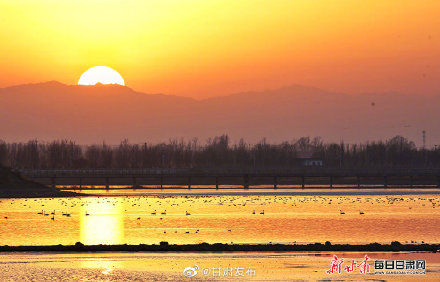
column 208, row 48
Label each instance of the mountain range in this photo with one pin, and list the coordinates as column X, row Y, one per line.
column 111, row 113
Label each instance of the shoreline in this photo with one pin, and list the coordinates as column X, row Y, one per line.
column 219, row 248
column 30, row 194
column 334, row 192
column 372, row 192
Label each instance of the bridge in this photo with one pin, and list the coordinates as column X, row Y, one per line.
column 188, row 178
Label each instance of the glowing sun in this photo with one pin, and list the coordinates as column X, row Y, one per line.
column 100, row 74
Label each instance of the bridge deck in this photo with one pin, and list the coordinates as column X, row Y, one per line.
column 187, row 177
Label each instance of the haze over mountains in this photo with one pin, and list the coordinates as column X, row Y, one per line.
column 110, row 113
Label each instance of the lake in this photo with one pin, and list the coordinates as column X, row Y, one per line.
column 180, row 219
column 170, row 266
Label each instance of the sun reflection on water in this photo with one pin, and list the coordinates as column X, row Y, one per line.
column 102, row 223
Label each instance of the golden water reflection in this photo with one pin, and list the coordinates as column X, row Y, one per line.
column 102, row 222
column 185, row 219
column 301, row 266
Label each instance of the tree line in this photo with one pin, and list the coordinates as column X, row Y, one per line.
column 217, row 152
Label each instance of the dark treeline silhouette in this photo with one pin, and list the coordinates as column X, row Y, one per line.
column 217, row 152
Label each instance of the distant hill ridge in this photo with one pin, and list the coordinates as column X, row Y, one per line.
column 111, row 113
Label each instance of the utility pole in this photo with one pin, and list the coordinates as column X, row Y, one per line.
column 341, row 157
column 424, row 147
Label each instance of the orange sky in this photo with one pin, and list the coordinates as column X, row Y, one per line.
column 205, row 48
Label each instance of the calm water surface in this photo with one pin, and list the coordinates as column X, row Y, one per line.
column 221, row 218
column 170, row 266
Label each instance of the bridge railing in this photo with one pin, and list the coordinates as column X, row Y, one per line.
column 312, row 171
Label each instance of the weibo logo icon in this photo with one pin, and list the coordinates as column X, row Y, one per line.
column 191, row 271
